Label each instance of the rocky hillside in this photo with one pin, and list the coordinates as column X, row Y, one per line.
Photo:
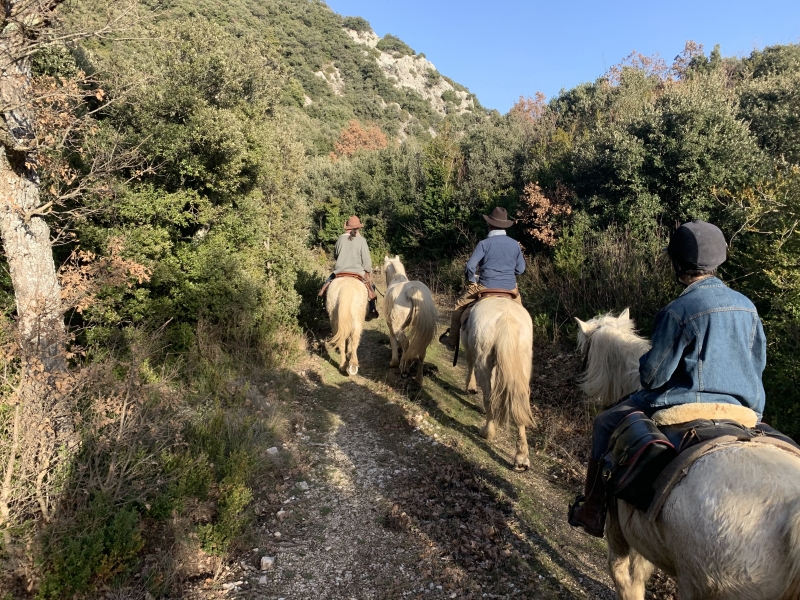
column 341, row 70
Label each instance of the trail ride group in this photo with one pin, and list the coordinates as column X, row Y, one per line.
column 683, row 474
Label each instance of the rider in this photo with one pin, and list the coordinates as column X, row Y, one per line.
column 708, row 346
column 352, row 256
column 499, row 259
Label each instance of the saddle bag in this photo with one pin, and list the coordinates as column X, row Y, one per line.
column 636, row 455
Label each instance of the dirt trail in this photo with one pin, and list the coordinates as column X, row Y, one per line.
column 405, row 500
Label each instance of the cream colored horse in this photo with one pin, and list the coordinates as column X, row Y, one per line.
column 730, row 530
column 498, row 336
column 411, row 316
column 346, row 302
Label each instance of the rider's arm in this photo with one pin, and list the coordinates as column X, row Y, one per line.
column 366, row 259
column 473, row 262
column 669, row 342
column 520, row 268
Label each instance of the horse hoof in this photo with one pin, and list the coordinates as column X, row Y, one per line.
column 472, row 390
column 522, row 464
column 394, row 363
column 352, row 369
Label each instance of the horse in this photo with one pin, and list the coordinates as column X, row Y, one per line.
column 730, row 530
column 411, row 316
column 346, row 302
column 498, row 336
column 609, row 375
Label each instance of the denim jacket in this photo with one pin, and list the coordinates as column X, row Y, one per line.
column 708, row 346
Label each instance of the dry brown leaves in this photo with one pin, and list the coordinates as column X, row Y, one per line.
column 542, row 212
column 84, row 274
column 354, row 138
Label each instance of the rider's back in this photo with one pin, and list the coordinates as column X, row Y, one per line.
column 708, row 346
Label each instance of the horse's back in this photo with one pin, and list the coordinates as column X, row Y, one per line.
column 730, row 528
column 494, row 315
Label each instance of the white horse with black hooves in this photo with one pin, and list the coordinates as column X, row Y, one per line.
column 730, row 530
column 346, row 303
column 498, row 336
column 411, row 316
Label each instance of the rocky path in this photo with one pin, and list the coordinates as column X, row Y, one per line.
column 398, row 497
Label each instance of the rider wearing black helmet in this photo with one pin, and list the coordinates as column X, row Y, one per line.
column 708, row 346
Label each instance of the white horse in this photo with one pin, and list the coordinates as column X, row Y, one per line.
column 346, row 302
column 730, row 530
column 498, row 336
column 612, row 369
column 411, row 317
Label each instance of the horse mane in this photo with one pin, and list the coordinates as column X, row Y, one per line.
column 611, row 348
column 394, row 270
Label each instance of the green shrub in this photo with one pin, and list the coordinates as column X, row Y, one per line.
column 99, row 544
column 394, row 45
column 356, row 24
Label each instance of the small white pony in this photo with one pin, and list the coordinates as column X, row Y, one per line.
column 498, row 336
column 730, row 530
column 346, row 302
column 411, row 316
column 612, row 369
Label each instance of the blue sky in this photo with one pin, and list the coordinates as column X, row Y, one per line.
column 503, row 49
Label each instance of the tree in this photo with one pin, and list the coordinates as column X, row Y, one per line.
column 42, row 432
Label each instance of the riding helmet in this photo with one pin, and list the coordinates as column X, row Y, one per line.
column 698, row 245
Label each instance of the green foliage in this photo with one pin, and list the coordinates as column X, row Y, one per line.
column 356, row 24
column 394, row 45
column 98, row 546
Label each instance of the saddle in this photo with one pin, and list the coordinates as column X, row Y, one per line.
column 647, row 458
column 370, row 290
column 487, row 293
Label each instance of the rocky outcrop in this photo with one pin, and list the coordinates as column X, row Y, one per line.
column 419, row 74
column 331, row 74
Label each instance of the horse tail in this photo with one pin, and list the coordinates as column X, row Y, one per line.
column 793, row 560
column 344, row 317
column 422, row 326
column 510, row 397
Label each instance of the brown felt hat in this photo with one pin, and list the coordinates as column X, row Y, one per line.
column 352, row 223
column 499, row 218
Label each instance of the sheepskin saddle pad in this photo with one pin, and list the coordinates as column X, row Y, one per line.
column 648, row 457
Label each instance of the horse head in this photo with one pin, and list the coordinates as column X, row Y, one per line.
column 393, row 267
column 611, row 349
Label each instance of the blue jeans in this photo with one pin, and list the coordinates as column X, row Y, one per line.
column 607, row 421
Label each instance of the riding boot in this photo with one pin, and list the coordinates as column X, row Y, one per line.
column 589, row 511
column 372, row 310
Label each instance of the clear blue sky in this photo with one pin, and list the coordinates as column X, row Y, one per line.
column 502, row 49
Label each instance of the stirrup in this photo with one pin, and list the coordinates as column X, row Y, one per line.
column 579, row 500
column 444, row 339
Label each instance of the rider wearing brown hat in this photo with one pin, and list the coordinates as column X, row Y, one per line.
column 498, row 259
column 352, row 256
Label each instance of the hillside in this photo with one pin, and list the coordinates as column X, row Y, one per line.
column 340, row 69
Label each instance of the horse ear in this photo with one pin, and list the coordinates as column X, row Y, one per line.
column 583, row 326
column 625, row 314
column 397, row 257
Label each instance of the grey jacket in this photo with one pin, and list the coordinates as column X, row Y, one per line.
column 352, row 255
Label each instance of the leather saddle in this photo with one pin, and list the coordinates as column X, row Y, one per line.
column 488, row 293
column 647, row 457
column 370, row 290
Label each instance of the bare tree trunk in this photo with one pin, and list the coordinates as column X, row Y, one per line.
column 44, row 432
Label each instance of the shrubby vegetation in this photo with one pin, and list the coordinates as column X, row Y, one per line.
column 194, row 260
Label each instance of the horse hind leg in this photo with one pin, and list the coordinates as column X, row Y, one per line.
column 522, row 460
column 393, row 341
column 420, row 369
column 629, row 570
column 352, row 350
column 472, row 386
